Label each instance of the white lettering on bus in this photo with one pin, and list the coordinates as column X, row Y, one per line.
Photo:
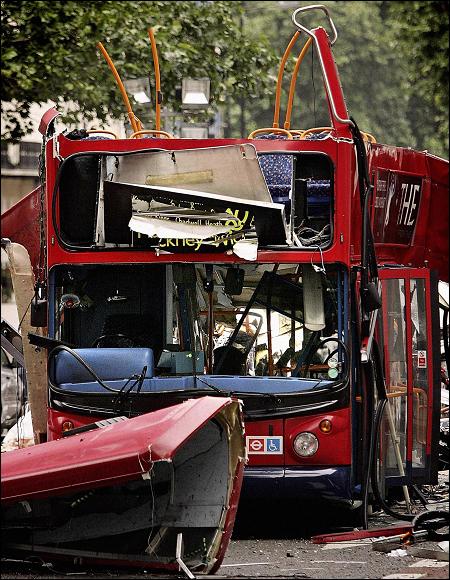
column 408, row 204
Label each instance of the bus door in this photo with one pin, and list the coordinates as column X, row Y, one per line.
column 409, row 332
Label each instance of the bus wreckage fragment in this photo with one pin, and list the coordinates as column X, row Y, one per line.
column 129, row 491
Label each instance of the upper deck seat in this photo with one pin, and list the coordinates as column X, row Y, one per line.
column 318, row 194
column 317, row 136
column 278, row 172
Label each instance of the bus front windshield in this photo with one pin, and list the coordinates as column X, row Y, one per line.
column 244, row 322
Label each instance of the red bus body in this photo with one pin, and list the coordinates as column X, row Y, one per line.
column 407, row 212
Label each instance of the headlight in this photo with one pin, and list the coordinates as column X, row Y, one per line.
column 306, row 444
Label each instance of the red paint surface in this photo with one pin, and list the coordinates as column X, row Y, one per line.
column 20, row 223
column 334, row 447
column 55, row 420
column 116, row 453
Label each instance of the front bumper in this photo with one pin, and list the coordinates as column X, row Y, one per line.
column 330, row 483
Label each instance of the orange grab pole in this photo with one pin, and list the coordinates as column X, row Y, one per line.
column 126, row 100
column 157, row 78
column 300, row 58
column 276, row 114
column 151, row 132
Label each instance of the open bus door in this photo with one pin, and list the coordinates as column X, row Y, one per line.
column 409, row 329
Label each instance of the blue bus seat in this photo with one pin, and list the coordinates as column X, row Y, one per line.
column 277, row 170
column 278, row 173
column 318, row 195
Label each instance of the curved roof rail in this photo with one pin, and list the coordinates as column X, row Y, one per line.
column 312, row 34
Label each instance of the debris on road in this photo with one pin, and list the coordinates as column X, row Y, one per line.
column 398, row 553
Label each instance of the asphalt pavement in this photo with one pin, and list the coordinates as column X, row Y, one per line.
column 274, row 540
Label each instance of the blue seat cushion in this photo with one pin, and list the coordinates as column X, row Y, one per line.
column 277, row 171
column 318, row 197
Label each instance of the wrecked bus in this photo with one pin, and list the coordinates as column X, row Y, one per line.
column 295, row 270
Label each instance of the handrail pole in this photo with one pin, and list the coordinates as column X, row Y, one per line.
column 313, row 35
column 120, row 84
column 151, row 132
column 301, row 56
column 271, row 130
column 157, row 79
column 276, row 113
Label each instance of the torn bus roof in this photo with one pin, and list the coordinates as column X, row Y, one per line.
column 131, row 487
column 94, row 458
column 232, row 170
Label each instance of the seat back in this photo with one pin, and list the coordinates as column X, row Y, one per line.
column 278, row 172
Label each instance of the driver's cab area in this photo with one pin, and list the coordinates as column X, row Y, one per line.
column 137, row 337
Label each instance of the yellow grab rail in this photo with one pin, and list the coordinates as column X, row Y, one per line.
column 101, row 131
column 315, row 130
column 271, row 130
column 125, row 98
column 366, row 136
column 157, row 79
column 151, row 132
column 296, row 132
column 301, row 56
column 276, row 113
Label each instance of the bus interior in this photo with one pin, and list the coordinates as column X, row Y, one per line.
column 201, row 326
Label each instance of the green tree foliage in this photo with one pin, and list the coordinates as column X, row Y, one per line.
column 392, row 59
column 422, row 39
column 49, row 53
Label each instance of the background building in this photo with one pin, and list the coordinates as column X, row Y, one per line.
column 19, row 176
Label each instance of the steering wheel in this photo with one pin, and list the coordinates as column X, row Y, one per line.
column 114, row 337
column 321, row 344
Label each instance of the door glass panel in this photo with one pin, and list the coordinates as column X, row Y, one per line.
column 395, row 416
column 419, row 371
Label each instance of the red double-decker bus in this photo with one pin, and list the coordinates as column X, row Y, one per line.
column 296, row 270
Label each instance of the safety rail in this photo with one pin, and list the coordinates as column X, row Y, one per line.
column 300, row 134
column 93, row 131
column 301, row 56
column 420, row 402
column 276, row 113
column 158, row 99
column 303, row 133
column 126, row 100
column 315, row 130
column 151, row 132
column 271, row 130
column 312, row 34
